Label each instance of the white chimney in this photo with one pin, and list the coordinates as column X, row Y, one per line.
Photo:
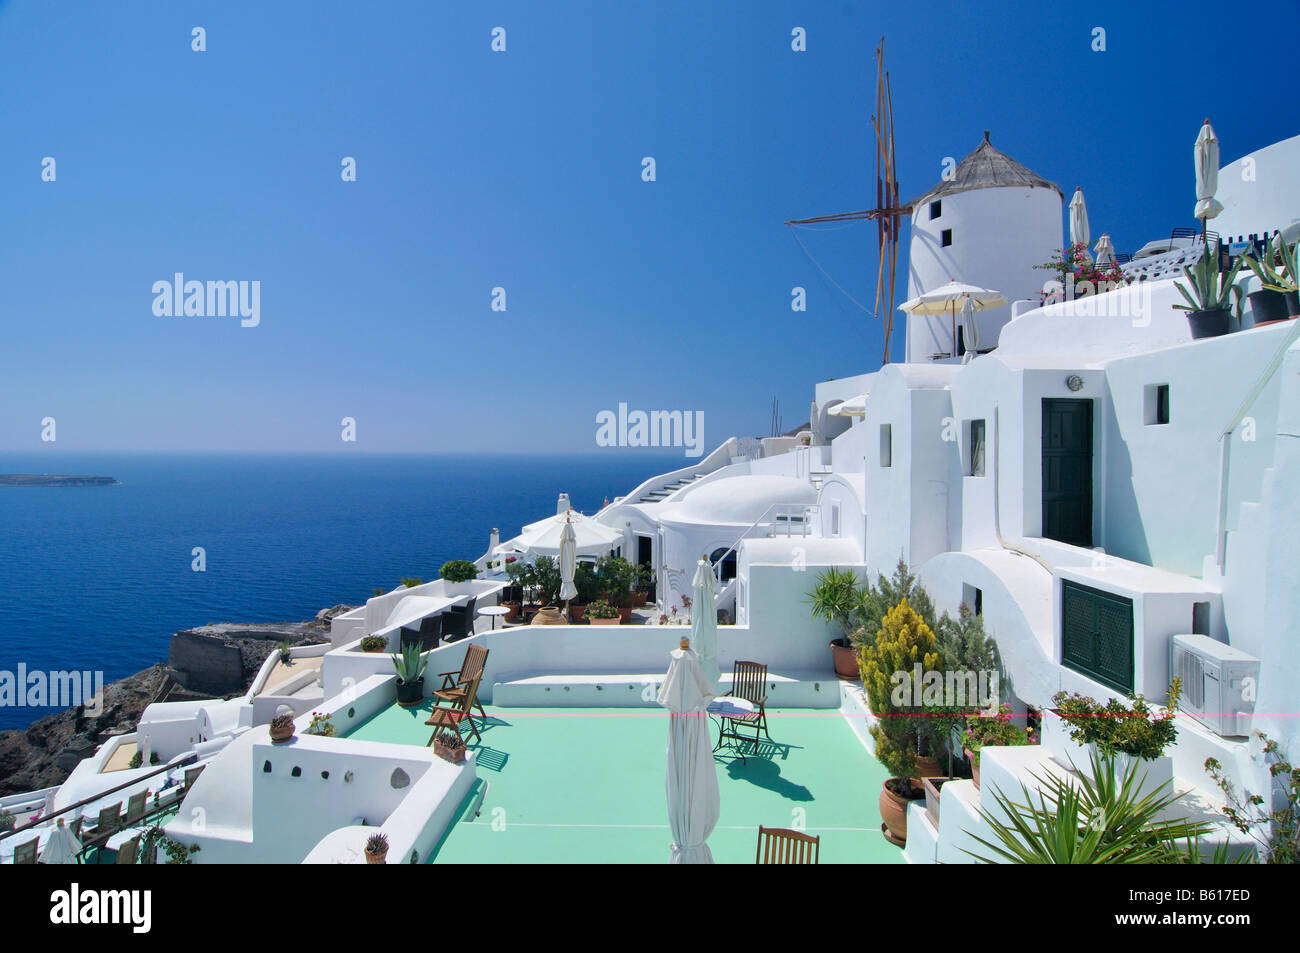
column 562, row 506
column 494, row 540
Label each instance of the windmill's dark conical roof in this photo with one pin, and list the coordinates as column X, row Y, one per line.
column 987, row 168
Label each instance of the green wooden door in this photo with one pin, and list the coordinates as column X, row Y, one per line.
column 1097, row 634
column 1067, row 470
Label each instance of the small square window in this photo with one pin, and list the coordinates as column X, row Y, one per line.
column 1155, row 404
column 946, row 237
column 936, row 209
column 886, row 445
column 976, row 467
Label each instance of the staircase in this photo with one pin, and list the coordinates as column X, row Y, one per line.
column 661, row 494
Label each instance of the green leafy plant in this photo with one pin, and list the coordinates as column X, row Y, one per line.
column 645, row 576
column 1276, row 830
column 374, row 643
column 1103, row 819
column 409, row 663
column 586, row 582
column 1276, row 268
column 546, row 579
column 154, row 839
column 380, row 592
column 601, row 609
column 617, row 577
column 875, row 601
column 1135, row 729
column 321, row 724
column 286, row 654
column 1209, row 289
column 835, row 598
column 410, row 582
column 137, row 760
column 458, row 570
column 7, row 821
column 1075, row 269
column 904, row 641
column 996, row 729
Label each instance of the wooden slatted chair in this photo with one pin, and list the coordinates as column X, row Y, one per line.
column 127, row 853
column 26, row 853
column 135, row 809
column 451, row 717
column 192, row 775
column 780, row 845
column 456, row 684
column 748, row 681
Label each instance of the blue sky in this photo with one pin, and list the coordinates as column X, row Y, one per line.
column 522, row 170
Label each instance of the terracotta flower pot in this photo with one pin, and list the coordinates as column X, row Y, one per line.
column 893, row 808
column 280, row 736
column 512, row 611
column 927, row 768
column 577, row 612
column 454, row 755
column 377, row 858
column 846, row 661
column 614, row 621
column 974, row 767
column 625, row 614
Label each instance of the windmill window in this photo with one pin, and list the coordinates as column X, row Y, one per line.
column 1156, row 404
column 946, row 237
column 936, row 209
column 886, row 445
column 976, row 467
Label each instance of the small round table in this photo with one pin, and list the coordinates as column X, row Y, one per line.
column 720, row 709
column 494, row 612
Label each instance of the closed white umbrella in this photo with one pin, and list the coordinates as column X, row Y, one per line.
column 692, row 781
column 1206, row 156
column 1105, row 251
column 1079, row 234
column 62, row 847
column 970, row 330
column 146, row 752
column 568, row 563
column 704, row 619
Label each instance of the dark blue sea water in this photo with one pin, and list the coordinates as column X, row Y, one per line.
column 99, row 578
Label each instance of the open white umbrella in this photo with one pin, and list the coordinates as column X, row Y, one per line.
column 704, row 619
column 947, row 298
column 1079, row 234
column 543, row 537
column 62, row 847
column 568, row 563
column 1206, row 156
column 853, row 407
column 1105, row 251
column 692, row 781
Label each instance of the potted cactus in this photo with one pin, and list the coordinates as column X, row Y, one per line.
column 1210, row 294
column 377, row 849
column 1279, row 277
column 282, row 729
column 449, row 746
column 410, row 676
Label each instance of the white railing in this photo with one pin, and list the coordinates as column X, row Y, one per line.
column 803, row 512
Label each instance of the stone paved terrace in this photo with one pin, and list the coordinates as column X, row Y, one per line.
column 586, row 785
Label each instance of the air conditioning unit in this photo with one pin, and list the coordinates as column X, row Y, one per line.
column 1220, row 683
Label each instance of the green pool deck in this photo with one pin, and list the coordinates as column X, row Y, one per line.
column 586, row 785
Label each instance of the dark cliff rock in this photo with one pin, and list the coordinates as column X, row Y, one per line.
column 211, row 661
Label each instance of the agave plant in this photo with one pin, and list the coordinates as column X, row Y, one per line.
column 409, row 664
column 1208, row 288
column 1099, row 820
column 1276, row 268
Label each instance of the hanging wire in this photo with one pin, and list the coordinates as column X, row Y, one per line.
column 826, row 274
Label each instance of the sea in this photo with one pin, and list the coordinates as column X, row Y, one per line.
column 99, row 578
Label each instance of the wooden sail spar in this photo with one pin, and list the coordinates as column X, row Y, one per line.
column 887, row 213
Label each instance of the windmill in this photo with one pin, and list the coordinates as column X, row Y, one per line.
column 887, row 213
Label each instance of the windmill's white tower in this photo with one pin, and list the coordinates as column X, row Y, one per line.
column 987, row 225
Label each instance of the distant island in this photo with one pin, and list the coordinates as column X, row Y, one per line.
column 54, row 479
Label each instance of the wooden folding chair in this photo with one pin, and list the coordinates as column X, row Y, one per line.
column 780, row 845
column 441, row 718
column 456, row 684
column 192, row 775
column 26, row 853
column 135, row 809
column 110, row 819
column 748, row 681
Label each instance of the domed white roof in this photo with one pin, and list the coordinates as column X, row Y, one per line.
column 742, row 499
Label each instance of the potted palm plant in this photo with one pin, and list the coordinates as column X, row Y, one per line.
column 410, row 676
column 835, row 598
column 1279, row 295
column 1210, row 295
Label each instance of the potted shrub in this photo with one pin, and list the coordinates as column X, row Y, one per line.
column 601, row 612
column 617, row 578
column 835, row 598
column 321, row 725
column 645, row 581
column 902, row 731
column 546, row 580
column 410, row 676
column 1126, row 734
column 994, row 729
column 374, row 643
column 513, row 597
column 1210, row 295
column 282, row 729
column 410, row 582
column 286, row 654
column 458, row 570
column 377, row 849
column 1279, row 277
column 448, row 746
